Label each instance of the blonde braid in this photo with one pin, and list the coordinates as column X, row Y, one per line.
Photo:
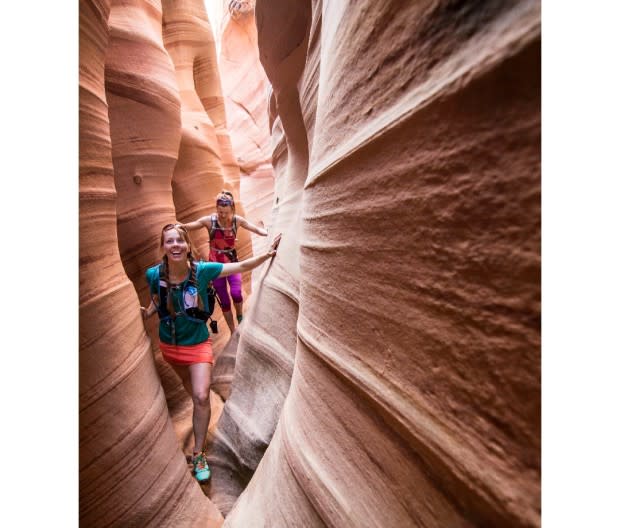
column 169, row 304
column 192, row 278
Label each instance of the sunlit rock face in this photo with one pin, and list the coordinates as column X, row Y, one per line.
column 206, row 164
column 266, row 350
column 246, row 90
column 132, row 472
column 407, row 143
column 199, row 171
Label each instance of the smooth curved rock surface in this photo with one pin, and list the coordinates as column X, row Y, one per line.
column 246, row 88
column 415, row 393
column 131, row 470
column 144, row 109
column 206, row 164
column 265, row 354
column 388, row 371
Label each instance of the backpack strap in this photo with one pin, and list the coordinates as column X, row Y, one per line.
column 162, row 293
column 214, row 226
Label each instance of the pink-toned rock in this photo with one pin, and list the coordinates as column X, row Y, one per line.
column 415, row 393
column 198, row 175
column 132, row 472
column 265, row 354
column 145, row 128
column 245, row 86
column 205, row 165
column 246, row 90
column 388, row 371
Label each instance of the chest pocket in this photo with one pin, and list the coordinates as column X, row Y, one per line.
column 190, row 297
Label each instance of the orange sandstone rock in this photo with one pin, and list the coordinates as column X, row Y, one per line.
column 132, row 472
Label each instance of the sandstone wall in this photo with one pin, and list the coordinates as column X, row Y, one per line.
column 131, row 470
column 206, row 161
column 246, row 94
column 246, row 90
column 266, row 350
column 388, row 373
column 414, row 399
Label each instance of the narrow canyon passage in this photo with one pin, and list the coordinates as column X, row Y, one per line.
column 386, row 371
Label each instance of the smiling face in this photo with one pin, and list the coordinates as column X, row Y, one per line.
column 175, row 243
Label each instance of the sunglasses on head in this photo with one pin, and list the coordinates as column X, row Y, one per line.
column 168, row 227
column 223, row 201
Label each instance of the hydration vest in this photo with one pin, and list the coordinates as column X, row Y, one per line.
column 189, row 296
column 230, row 252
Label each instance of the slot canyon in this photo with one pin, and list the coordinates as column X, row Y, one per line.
column 387, row 372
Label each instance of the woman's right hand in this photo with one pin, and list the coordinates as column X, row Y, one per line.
column 273, row 249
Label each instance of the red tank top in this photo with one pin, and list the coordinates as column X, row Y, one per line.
column 221, row 239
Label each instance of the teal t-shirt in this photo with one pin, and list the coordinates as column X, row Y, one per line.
column 187, row 332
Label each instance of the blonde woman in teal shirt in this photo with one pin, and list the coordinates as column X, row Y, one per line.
column 183, row 335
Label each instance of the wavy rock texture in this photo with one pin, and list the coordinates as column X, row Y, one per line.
column 266, row 349
column 412, row 158
column 145, row 128
column 132, row 472
column 388, row 373
column 247, row 92
column 245, row 86
column 206, row 164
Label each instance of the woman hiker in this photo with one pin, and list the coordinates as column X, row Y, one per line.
column 178, row 287
column 222, row 227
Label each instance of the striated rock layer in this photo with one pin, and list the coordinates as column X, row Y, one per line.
column 411, row 152
column 265, row 354
column 245, row 95
column 131, row 470
column 246, row 90
column 145, row 130
column 206, row 164
column 388, row 372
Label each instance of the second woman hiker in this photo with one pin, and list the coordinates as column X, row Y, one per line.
column 222, row 227
column 178, row 287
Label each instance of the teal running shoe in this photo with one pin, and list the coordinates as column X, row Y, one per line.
column 239, row 318
column 201, row 468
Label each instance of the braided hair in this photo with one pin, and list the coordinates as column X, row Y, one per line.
column 169, row 305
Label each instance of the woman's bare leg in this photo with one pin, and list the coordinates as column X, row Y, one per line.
column 183, row 373
column 229, row 320
column 200, row 375
column 239, row 309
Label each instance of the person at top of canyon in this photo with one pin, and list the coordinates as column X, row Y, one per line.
column 178, row 287
column 222, row 227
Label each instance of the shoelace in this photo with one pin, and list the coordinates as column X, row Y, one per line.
column 200, row 461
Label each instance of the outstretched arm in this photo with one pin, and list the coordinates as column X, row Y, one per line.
column 250, row 226
column 203, row 221
column 251, row 263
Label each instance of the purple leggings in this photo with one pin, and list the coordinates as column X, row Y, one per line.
column 222, row 291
